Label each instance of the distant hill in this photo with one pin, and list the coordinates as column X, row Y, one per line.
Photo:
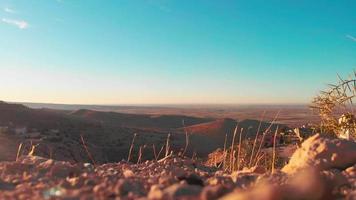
column 108, row 135
column 293, row 115
column 218, row 127
column 155, row 122
column 21, row 115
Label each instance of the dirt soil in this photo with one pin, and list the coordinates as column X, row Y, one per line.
column 318, row 170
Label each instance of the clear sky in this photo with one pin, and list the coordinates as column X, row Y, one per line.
column 173, row 51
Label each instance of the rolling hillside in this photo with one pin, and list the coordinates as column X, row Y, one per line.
column 108, row 135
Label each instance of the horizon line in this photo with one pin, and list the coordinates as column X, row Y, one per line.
column 162, row 104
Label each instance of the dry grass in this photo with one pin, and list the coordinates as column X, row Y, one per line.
column 168, row 145
column 239, row 150
column 160, row 151
column 263, row 138
column 139, row 155
column 87, row 150
column 19, row 151
column 248, row 153
column 186, row 139
column 131, row 148
column 255, row 141
column 154, row 151
column 274, row 151
column 232, row 151
column 224, row 154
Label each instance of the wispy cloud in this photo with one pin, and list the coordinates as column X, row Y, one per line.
column 351, row 37
column 21, row 24
column 9, row 10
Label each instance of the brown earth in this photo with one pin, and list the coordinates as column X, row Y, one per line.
column 33, row 177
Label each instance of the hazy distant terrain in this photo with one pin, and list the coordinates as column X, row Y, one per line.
column 58, row 129
column 291, row 115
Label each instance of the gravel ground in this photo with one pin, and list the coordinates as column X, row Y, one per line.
column 322, row 173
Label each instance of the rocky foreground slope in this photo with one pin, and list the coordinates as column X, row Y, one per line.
column 322, row 168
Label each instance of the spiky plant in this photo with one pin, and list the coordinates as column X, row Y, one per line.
column 335, row 107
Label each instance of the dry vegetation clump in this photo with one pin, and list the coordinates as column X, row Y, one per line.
column 245, row 153
column 336, row 109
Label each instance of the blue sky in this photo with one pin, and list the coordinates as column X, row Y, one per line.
column 173, row 51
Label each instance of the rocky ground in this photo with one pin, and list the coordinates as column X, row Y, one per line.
column 322, row 168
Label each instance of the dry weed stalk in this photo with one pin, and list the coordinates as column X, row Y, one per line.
column 186, row 139
column 19, row 151
column 139, row 155
column 225, row 141
column 87, row 150
column 232, row 149
column 224, row 153
column 33, row 148
column 131, row 148
column 167, row 145
column 215, row 162
column 263, row 136
column 160, row 151
column 232, row 164
column 274, row 150
column 154, row 152
column 239, row 151
column 256, row 137
column 259, row 159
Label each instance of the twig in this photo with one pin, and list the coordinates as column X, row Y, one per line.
column 165, row 158
column 160, row 151
column 239, row 151
column 167, row 145
column 139, row 155
column 186, row 139
column 255, row 141
column 264, row 134
column 232, row 149
column 87, row 150
column 18, row 151
column 154, row 151
column 32, row 151
column 131, row 148
column 259, row 158
column 224, row 152
column 274, row 150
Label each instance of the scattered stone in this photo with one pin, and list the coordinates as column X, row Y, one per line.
column 192, row 179
column 128, row 173
column 53, row 192
column 322, row 153
column 333, row 177
column 213, row 192
column 181, row 190
column 123, row 187
column 62, row 169
column 155, row 192
column 31, row 160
